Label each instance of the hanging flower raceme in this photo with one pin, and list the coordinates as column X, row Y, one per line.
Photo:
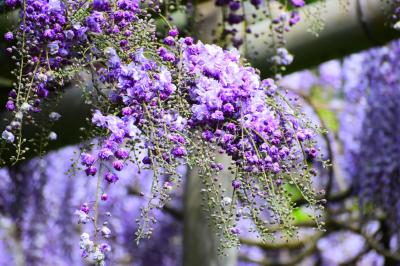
column 178, row 101
column 375, row 146
column 268, row 141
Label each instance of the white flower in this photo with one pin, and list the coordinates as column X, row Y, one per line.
column 54, row 47
column 98, row 257
column 83, row 218
column 26, row 106
column 42, row 77
column 19, row 115
column 110, row 52
column 85, row 243
column 54, row 116
column 226, row 201
column 105, row 232
column 52, row 135
column 397, row 26
column 8, row 136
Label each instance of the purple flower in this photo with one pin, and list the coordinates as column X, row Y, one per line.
column 118, row 165
column 111, row 177
column 11, row 3
column 169, row 40
column 146, row 160
column 235, row 230
column 236, row 184
column 126, row 111
column 10, row 105
column 230, row 127
column 87, row 159
column 300, row 136
column 217, row 115
column 228, row 108
column 69, row 34
column 101, row 5
column 235, row 18
column 105, row 153
column 179, row 151
column 49, row 34
column 276, row 168
column 169, row 57
column 104, row 247
column 42, row 92
column 188, row 41
column 54, row 47
column 8, row 136
column 9, row 36
column 234, row 5
column 121, row 154
column 104, row 197
column 297, row 3
column 294, row 18
column 91, row 171
column 311, row 152
column 98, row 119
column 173, row 32
column 95, row 22
column 85, row 208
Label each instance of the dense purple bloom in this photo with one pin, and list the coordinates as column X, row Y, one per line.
column 138, row 104
column 374, row 154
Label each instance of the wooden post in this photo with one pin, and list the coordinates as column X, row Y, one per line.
column 200, row 242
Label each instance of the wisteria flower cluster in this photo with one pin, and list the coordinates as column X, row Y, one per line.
column 374, row 147
column 179, row 101
column 250, row 121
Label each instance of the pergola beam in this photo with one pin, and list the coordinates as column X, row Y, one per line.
column 363, row 24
